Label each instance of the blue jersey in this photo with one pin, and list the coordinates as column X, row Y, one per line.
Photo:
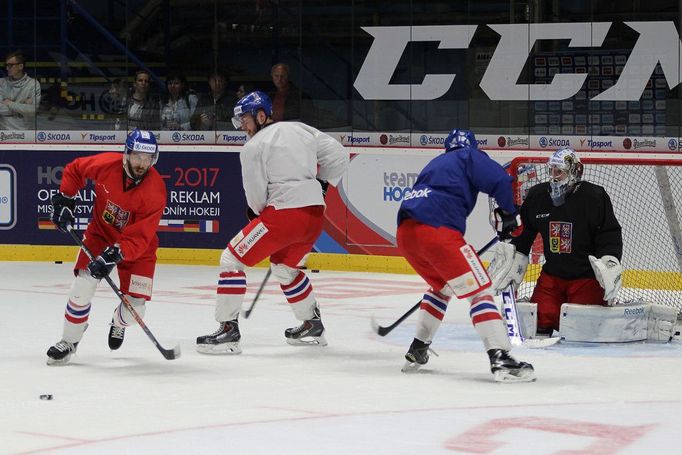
column 446, row 190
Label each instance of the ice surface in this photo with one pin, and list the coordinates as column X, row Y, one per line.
column 347, row 398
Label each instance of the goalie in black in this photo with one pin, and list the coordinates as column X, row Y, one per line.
column 581, row 238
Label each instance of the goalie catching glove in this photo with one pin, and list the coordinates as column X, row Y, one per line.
column 504, row 223
column 507, row 266
column 62, row 211
column 105, row 262
column 608, row 271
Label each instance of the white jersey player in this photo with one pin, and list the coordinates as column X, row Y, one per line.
column 285, row 170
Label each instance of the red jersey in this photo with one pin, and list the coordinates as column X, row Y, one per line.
column 123, row 213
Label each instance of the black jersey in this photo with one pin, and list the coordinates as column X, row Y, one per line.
column 585, row 224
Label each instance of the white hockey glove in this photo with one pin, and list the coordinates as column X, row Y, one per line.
column 608, row 271
column 507, row 266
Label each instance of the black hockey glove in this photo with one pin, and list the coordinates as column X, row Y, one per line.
column 105, row 262
column 504, row 223
column 250, row 214
column 62, row 211
column 325, row 186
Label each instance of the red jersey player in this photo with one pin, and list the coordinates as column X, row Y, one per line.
column 130, row 199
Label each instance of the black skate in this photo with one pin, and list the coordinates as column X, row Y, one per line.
column 506, row 368
column 416, row 356
column 116, row 335
column 311, row 332
column 60, row 353
column 225, row 340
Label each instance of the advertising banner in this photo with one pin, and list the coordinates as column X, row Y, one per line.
column 205, row 207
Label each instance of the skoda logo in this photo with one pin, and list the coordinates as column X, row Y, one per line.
column 41, row 136
column 176, row 137
column 423, row 139
column 543, row 142
column 672, row 144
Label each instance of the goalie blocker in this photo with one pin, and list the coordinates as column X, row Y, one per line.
column 634, row 321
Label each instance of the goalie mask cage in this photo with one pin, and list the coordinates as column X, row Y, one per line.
column 647, row 201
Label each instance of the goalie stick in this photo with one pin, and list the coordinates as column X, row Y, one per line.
column 383, row 331
column 248, row 311
column 511, row 317
column 169, row 354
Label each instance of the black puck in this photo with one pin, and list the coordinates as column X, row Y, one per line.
column 46, row 397
column 57, row 262
column 315, row 271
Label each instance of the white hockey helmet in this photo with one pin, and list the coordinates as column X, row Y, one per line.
column 565, row 171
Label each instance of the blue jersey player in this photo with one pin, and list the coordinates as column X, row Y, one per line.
column 431, row 227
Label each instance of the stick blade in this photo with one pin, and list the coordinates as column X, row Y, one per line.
column 379, row 330
column 539, row 343
column 171, row 354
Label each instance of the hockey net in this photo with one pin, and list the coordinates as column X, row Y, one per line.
column 647, row 201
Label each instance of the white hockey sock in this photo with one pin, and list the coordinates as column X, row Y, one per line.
column 431, row 313
column 75, row 322
column 230, row 295
column 122, row 316
column 488, row 322
column 78, row 307
column 299, row 293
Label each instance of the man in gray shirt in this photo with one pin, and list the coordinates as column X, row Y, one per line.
column 19, row 95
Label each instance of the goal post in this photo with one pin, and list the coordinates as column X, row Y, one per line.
column 647, row 199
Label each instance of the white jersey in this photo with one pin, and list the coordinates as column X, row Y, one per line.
column 281, row 162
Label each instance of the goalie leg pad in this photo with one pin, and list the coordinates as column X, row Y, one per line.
column 599, row 324
column 661, row 323
column 527, row 313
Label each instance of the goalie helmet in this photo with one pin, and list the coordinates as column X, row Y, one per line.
column 459, row 139
column 139, row 142
column 251, row 104
column 565, row 172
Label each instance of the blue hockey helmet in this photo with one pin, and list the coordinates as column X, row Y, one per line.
column 251, row 104
column 459, row 139
column 143, row 142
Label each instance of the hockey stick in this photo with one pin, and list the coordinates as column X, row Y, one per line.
column 248, row 311
column 383, row 331
column 169, row 354
column 514, row 331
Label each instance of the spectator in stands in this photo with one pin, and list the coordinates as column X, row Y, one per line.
column 19, row 95
column 143, row 110
column 180, row 104
column 244, row 89
column 286, row 99
column 214, row 109
column 116, row 100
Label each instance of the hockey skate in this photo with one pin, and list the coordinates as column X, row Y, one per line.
column 116, row 335
column 416, row 356
column 61, row 352
column 225, row 340
column 506, row 368
column 311, row 332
